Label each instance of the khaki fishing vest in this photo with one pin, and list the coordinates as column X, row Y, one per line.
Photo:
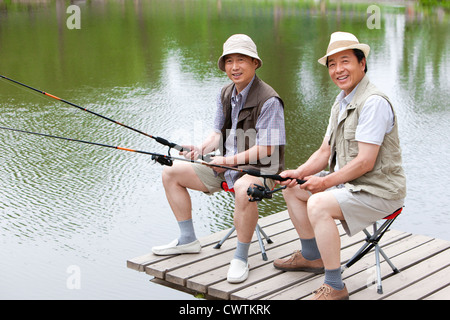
column 387, row 179
column 258, row 94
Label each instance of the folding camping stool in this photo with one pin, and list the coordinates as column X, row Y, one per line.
column 258, row 230
column 372, row 240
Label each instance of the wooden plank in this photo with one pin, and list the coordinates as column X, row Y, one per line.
column 424, row 263
column 297, row 290
column 203, row 269
column 409, row 263
column 348, row 247
column 201, row 282
column 394, row 244
column 442, row 294
column 361, row 285
column 421, row 288
column 180, row 275
column 139, row 263
column 222, row 289
column 390, row 237
column 161, row 268
column 355, row 277
column 276, row 218
column 268, row 285
column 198, row 275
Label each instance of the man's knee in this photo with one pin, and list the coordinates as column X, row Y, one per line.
column 295, row 193
column 314, row 206
column 167, row 175
column 240, row 188
column 289, row 193
column 322, row 205
column 174, row 173
column 240, row 191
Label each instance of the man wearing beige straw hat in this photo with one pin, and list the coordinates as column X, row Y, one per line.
column 249, row 132
column 366, row 181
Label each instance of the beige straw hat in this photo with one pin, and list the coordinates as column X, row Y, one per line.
column 239, row 43
column 341, row 41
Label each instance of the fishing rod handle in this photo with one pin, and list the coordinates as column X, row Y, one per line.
column 165, row 142
column 299, row 181
column 271, row 176
column 170, row 144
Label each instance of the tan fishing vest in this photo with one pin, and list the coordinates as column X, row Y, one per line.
column 258, row 94
column 387, row 179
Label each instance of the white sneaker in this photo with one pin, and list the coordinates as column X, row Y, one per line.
column 173, row 248
column 238, row 271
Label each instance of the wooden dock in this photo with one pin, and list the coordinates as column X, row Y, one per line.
column 424, row 265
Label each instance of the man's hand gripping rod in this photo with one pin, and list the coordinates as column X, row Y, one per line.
column 258, row 192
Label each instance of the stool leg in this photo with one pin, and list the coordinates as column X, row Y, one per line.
column 394, row 268
column 377, row 261
column 219, row 244
column 261, row 244
column 258, row 231
column 258, row 227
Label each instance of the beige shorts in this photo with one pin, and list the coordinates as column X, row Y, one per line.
column 213, row 181
column 361, row 209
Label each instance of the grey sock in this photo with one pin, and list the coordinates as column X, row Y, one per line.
column 187, row 232
column 242, row 251
column 310, row 251
column 333, row 278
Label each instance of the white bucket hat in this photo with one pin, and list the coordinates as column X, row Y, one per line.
column 341, row 41
column 239, row 43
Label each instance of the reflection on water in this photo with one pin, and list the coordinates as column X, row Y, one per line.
column 152, row 66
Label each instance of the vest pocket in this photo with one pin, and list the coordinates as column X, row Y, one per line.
column 350, row 144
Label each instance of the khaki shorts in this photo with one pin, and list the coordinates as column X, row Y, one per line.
column 362, row 209
column 213, row 182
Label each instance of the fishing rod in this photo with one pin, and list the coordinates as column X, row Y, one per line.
column 256, row 193
column 158, row 139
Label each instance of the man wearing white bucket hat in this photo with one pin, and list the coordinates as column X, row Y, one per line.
column 366, row 181
column 249, row 132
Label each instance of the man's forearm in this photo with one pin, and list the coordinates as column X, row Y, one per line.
column 211, row 143
column 252, row 155
column 361, row 164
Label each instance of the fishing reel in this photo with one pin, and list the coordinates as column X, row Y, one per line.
column 163, row 161
column 168, row 159
column 258, row 192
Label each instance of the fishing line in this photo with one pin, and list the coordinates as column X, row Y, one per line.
column 257, row 192
column 158, row 139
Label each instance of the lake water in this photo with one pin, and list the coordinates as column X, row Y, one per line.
column 72, row 209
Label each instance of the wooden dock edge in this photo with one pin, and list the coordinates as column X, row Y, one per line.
column 423, row 261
